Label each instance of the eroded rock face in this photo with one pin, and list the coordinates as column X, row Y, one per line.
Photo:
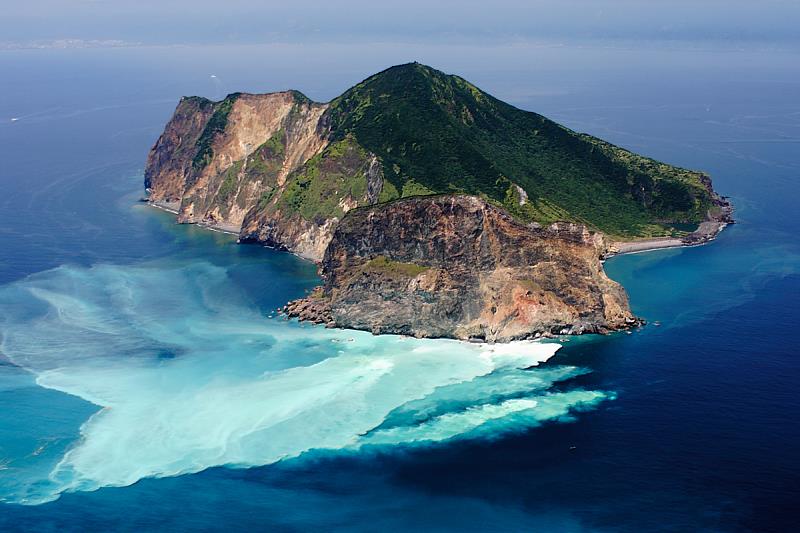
column 218, row 159
column 170, row 160
column 301, row 217
column 262, row 166
column 223, row 190
column 455, row 266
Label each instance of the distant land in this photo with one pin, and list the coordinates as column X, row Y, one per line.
column 48, row 44
column 432, row 208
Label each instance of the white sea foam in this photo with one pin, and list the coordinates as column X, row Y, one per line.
column 187, row 379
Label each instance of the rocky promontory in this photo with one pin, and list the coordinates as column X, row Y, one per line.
column 432, row 208
column 456, row 266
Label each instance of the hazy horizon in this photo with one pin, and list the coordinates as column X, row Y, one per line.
column 170, row 22
column 147, row 384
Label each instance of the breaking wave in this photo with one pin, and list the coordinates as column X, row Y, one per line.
column 188, row 375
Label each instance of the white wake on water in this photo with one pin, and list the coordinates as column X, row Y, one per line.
column 188, row 376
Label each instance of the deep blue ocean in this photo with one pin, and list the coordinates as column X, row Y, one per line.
column 145, row 384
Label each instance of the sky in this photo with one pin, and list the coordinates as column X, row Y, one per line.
column 158, row 22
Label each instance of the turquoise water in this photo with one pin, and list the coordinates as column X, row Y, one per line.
column 147, row 384
column 189, row 376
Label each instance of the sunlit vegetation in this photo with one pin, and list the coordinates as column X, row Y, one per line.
column 436, row 133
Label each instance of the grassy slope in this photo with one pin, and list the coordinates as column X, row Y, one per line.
column 315, row 191
column 437, row 133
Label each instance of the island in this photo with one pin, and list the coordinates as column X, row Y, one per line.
column 432, row 208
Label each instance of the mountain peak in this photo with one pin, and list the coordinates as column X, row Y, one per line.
column 405, row 76
column 412, row 67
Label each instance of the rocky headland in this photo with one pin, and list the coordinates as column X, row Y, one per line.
column 456, row 266
column 431, row 208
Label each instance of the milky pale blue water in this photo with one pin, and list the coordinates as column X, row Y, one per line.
column 145, row 383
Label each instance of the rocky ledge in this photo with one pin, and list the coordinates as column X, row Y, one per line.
column 720, row 216
column 456, row 266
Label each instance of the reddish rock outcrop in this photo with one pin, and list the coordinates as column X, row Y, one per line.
column 455, row 266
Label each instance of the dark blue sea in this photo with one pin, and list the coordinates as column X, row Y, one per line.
column 146, row 385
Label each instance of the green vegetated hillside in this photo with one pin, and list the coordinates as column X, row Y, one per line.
column 438, row 133
column 316, row 190
column 435, row 133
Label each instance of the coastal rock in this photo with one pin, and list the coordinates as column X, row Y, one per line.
column 170, row 159
column 456, row 266
column 218, row 159
column 718, row 217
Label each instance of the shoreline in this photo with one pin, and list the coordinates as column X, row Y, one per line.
column 618, row 248
column 173, row 207
column 305, row 308
column 706, row 232
column 652, row 245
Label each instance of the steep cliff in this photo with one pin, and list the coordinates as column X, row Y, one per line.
column 221, row 160
column 302, row 214
column 170, row 159
column 456, row 266
column 433, row 208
